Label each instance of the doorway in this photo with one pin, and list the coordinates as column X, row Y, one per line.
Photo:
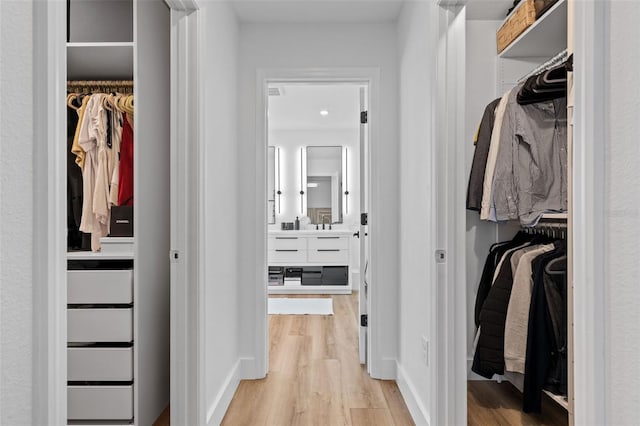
column 316, row 189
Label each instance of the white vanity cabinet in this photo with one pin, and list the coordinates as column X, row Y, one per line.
column 311, row 253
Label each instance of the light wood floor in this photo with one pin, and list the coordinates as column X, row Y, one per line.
column 491, row 403
column 315, row 377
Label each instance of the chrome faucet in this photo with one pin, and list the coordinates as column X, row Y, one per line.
column 323, row 222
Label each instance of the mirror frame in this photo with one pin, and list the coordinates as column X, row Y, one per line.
column 343, row 193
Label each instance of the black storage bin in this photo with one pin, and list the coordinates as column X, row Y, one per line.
column 293, row 272
column 312, row 275
column 335, row 275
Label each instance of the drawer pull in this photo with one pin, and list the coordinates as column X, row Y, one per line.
column 328, row 249
column 328, row 238
column 285, row 250
column 286, row 238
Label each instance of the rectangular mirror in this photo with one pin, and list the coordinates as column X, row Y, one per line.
column 271, row 185
column 324, row 184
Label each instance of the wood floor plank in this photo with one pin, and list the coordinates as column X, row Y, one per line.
column 315, row 376
column 395, row 402
column 491, row 403
column 371, row 417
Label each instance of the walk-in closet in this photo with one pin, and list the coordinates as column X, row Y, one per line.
column 117, row 202
column 518, row 239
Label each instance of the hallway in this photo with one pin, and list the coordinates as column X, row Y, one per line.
column 315, row 377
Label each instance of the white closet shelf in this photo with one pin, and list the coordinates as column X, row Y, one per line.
column 545, row 38
column 558, row 399
column 100, row 61
column 89, row 255
column 555, row 216
column 101, row 44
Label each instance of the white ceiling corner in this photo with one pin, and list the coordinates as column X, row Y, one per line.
column 316, row 11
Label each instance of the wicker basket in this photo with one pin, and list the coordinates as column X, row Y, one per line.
column 516, row 24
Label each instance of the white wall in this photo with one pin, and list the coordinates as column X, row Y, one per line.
column 264, row 46
column 16, row 212
column 481, row 71
column 417, row 66
column 622, row 215
column 222, row 208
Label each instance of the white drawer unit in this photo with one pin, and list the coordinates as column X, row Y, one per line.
column 100, row 325
column 329, row 256
column 99, row 364
column 287, row 242
column 100, row 286
column 328, row 242
column 100, row 402
column 289, row 256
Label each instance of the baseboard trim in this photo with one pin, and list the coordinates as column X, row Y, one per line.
column 407, row 389
column 220, row 404
column 385, row 369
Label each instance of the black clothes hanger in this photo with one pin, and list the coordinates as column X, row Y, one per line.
column 560, row 262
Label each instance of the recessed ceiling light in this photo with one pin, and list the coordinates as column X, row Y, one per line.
column 324, row 112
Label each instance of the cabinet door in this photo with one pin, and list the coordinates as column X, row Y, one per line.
column 99, row 325
column 329, row 242
column 100, row 402
column 100, row 287
column 329, row 256
column 287, row 243
column 100, row 364
column 288, row 256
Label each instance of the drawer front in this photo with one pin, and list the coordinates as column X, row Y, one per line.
column 99, row 402
column 100, row 286
column 329, row 256
column 289, row 256
column 100, row 364
column 285, row 242
column 100, row 325
column 341, row 243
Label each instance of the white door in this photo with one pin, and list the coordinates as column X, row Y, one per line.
column 363, row 234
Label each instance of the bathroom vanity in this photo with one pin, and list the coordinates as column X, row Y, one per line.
column 309, row 261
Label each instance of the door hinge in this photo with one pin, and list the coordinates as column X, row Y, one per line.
column 441, row 256
column 364, row 320
column 174, row 255
column 364, row 219
column 364, row 117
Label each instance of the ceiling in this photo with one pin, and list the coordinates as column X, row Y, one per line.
column 488, row 9
column 299, row 105
column 315, row 11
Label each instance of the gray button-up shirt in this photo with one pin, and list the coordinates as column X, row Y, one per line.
column 531, row 169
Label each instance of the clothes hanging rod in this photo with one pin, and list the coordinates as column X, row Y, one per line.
column 558, row 59
column 98, row 83
column 87, row 86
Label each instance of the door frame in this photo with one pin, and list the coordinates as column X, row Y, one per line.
column 590, row 33
column 49, row 380
column 188, row 367
column 265, row 76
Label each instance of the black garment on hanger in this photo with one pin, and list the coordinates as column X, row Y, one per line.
column 490, row 265
column 555, row 287
column 480, row 155
column 540, row 334
column 546, row 86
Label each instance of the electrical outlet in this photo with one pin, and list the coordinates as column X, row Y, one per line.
column 425, row 350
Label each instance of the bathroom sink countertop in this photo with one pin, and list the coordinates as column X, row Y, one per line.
column 341, row 231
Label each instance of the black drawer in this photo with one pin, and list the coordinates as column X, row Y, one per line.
column 335, row 275
column 312, row 275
